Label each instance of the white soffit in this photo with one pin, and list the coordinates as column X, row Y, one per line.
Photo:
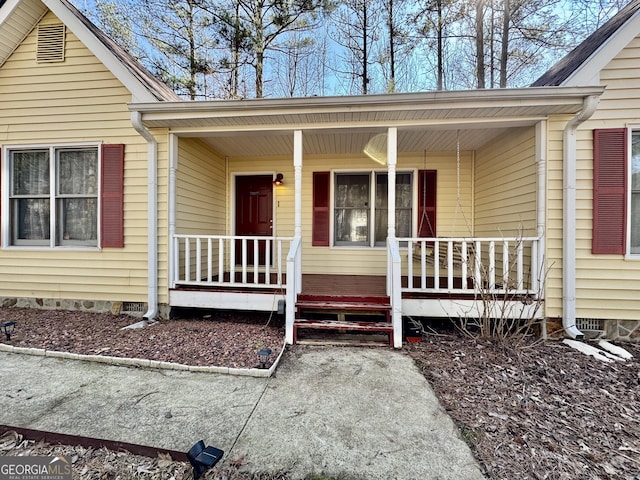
column 17, row 20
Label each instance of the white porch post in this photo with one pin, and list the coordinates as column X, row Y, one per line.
column 392, row 160
column 297, row 166
column 394, row 281
column 294, row 263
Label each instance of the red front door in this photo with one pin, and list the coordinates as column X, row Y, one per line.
column 254, row 213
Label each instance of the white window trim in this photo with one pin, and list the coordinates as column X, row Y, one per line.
column 372, row 173
column 5, row 189
column 630, row 129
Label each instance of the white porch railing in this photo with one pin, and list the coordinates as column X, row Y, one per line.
column 231, row 261
column 466, row 265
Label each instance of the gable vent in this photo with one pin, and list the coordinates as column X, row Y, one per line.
column 50, row 43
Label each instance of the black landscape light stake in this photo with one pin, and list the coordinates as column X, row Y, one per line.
column 203, row 458
column 8, row 328
column 263, row 357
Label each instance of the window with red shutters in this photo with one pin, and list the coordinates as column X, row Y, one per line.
column 321, row 213
column 609, row 191
column 427, row 182
column 112, row 192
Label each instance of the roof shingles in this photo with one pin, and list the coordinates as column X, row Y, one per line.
column 561, row 71
column 156, row 87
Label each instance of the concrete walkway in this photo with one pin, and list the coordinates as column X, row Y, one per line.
column 352, row 413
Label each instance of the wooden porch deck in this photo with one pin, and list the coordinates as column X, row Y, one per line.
column 361, row 287
column 331, row 285
column 332, row 307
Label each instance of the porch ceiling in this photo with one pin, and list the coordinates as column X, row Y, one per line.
column 343, row 125
column 349, row 141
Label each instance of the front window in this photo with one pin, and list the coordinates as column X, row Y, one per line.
column 404, row 196
column 635, row 193
column 361, row 208
column 352, row 209
column 54, row 196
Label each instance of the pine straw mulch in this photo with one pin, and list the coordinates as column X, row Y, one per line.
column 528, row 411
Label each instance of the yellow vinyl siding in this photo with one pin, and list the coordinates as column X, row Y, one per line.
column 78, row 100
column 606, row 285
column 200, row 195
column 200, row 189
column 505, row 186
column 451, row 219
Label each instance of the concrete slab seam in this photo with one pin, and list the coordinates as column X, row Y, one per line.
column 145, row 363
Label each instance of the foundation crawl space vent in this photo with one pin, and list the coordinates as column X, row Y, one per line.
column 134, row 307
column 590, row 324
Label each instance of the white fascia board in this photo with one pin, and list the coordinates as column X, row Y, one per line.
column 381, row 102
column 589, row 72
column 7, row 9
column 18, row 26
column 139, row 92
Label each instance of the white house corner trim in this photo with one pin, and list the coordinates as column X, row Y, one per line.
column 541, row 206
column 173, row 171
column 541, row 215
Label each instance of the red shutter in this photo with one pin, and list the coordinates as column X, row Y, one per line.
column 609, row 191
column 321, row 213
column 427, row 181
column 112, row 190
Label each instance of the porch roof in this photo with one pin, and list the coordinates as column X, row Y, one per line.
column 344, row 124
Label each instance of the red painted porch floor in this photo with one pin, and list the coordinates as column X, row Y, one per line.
column 331, row 285
column 344, row 286
column 334, row 308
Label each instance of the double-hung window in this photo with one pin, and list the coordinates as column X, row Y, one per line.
column 53, row 199
column 361, row 211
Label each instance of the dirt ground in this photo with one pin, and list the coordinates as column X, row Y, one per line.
column 536, row 410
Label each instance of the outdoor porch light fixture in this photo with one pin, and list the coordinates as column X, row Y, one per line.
column 8, row 328
column 203, row 458
column 279, row 181
column 376, row 148
column 263, row 357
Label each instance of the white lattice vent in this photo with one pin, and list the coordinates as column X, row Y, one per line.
column 134, row 307
column 50, row 43
column 590, row 324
